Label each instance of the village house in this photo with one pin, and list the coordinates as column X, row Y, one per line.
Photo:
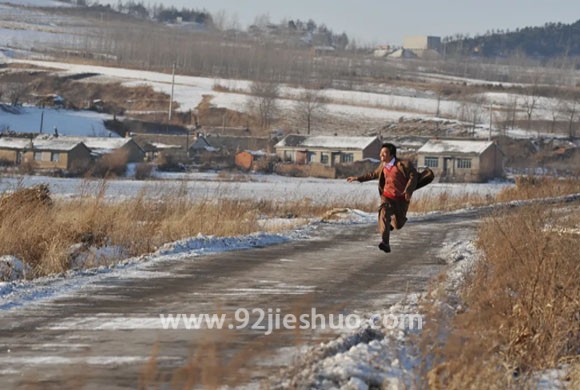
column 100, row 146
column 462, row 160
column 11, row 150
column 156, row 150
column 327, row 150
column 201, row 145
column 227, row 145
column 45, row 154
column 68, row 155
column 165, row 146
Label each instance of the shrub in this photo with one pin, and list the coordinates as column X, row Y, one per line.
column 112, row 164
column 143, row 171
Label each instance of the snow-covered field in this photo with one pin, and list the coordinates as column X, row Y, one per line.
column 257, row 187
column 27, row 28
column 67, row 122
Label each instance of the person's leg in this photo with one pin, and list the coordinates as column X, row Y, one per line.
column 399, row 208
column 385, row 215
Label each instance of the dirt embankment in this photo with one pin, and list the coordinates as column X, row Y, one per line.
column 80, row 92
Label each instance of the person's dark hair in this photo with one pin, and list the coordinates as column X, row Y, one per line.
column 392, row 149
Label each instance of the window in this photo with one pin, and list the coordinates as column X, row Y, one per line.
column 37, row 156
column 347, row 158
column 432, row 162
column 324, row 158
column 287, row 155
column 55, row 157
column 464, row 163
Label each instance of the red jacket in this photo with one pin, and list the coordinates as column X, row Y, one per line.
column 405, row 166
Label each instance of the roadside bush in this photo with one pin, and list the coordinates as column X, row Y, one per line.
column 533, row 187
column 143, row 171
column 112, row 164
column 169, row 163
column 27, row 168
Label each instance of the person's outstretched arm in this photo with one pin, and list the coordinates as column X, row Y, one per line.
column 373, row 175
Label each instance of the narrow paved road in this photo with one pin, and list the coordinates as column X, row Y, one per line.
column 104, row 335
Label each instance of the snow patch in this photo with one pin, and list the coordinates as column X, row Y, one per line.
column 12, row 268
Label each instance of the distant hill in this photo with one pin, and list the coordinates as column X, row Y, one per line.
column 549, row 41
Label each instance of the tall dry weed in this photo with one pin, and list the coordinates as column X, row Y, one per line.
column 521, row 307
column 533, row 187
column 445, row 201
column 43, row 234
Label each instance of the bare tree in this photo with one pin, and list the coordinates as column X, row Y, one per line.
column 470, row 110
column 224, row 21
column 263, row 101
column 532, row 97
column 15, row 92
column 438, row 92
column 512, row 111
column 474, row 112
column 509, row 113
column 219, row 19
column 530, row 102
column 555, row 108
column 569, row 108
column 310, row 106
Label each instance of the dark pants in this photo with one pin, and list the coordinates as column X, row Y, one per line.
column 392, row 213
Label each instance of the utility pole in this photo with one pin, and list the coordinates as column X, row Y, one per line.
column 490, row 120
column 172, row 87
column 41, row 121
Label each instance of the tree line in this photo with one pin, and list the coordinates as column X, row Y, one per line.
column 545, row 42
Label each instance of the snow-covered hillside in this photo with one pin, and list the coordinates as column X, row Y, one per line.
column 189, row 92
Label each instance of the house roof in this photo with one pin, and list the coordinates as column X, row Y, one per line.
column 231, row 143
column 95, row 142
column 57, row 144
column 200, row 144
column 14, row 143
column 323, row 141
column 437, row 146
column 161, row 146
column 99, row 145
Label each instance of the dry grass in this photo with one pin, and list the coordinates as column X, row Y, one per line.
column 42, row 233
column 446, row 202
column 526, row 188
column 521, row 305
column 531, row 187
column 575, row 375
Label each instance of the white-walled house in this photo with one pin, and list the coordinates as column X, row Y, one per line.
column 327, row 150
column 462, row 160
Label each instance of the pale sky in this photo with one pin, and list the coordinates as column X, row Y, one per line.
column 388, row 21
